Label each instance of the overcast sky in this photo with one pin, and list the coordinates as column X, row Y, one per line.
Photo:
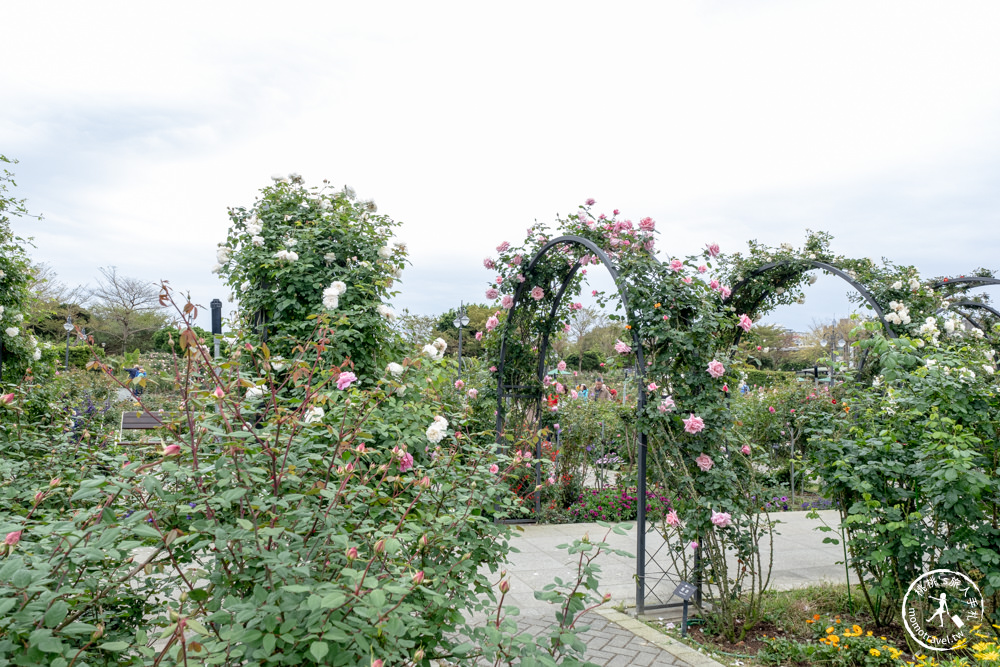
column 138, row 124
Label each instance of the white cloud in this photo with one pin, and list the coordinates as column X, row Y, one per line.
column 137, row 127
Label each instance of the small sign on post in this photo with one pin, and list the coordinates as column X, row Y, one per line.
column 684, row 591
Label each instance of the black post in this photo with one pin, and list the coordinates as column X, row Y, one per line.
column 460, row 347
column 67, row 350
column 1, row 360
column 216, row 323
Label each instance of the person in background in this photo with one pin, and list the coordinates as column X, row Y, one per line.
column 601, row 392
column 582, row 393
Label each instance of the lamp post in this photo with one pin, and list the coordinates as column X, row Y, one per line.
column 461, row 321
column 829, row 366
column 843, row 351
column 68, row 327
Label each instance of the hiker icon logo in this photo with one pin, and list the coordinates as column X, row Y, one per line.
column 941, row 608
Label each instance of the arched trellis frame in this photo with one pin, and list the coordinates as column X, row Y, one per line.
column 962, row 306
column 505, row 391
column 795, row 269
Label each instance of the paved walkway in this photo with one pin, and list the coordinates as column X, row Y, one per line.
column 800, row 558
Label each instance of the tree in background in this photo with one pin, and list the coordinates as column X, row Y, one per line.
column 445, row 328
column 124, row 307
column 773, row 347
column 582, row 324
column 415, row 329
column 52, row 302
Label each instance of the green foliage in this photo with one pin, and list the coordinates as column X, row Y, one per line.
column 162, row 338
column 300, row 251
column 19, row 346
column 282, row 519
column 79, row 355
column 916, row 467
column 761, row 378
column 592, row 360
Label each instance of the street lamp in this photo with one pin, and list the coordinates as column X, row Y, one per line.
column 829, row 368
column 461, row 321
column 844, row 351
column 68, row 327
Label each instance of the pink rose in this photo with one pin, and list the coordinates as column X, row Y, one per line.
column 479, row 335
column 473, row 394
column 344, row 380
column 771, row 409
column 418, row 578
column 218, row 393
column 405, row 462
column 647, row 224
column 352, row 553
column 714, row 284
column 172, row 450
column 652, row 386
column 507, row 301
column 721, row 519
column 459, row 384
column 725, row 386
column 573, row 394
column 593, row 293
column 687, row 280
column 745, row 322
column 498, row 280
column 493, row 369
column 494, row 468
column 672, row 519
column 537, row 293
column 492, row 293
column 716, row 369
column 693, row 424
column 488, row 263
column 704, row 462
column 7, row 399
column 561, row 365
column 745, row 449
column 621, row 348
column 667, row 404
column 492, row 323
column 503, row 247
column 693, row 546
column 516, row 261
column 702, row 269
column 725, row 292
column 713, row 249
column 12, row 538
column 676, row 265
column 590, row 202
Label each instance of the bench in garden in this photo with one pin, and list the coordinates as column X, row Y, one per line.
column 133, row 420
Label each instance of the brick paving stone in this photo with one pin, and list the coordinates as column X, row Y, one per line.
column 609, row 644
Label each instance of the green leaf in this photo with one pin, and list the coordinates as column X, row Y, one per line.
column 114, row 646
column 56, row 613
column 319, row 650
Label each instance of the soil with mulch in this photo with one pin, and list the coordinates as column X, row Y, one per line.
column 750, row 645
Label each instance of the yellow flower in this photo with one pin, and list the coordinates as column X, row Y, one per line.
column 993, row 655
column 829, row 630
column 875, row 652
column 857, row 630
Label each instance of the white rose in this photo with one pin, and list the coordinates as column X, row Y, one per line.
column 430, row 351
column 222, row 254
column 255, row 393
column 387, row 312
column 313, row 415
column 385, row 252
column 395, row 369
column 12, row 331
column 338, row 287
column 37, row 354
column 216, row 268
column 440, row 344
column 897, row 285
column 257, row 241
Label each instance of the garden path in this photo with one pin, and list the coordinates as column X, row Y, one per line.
column 800, row 559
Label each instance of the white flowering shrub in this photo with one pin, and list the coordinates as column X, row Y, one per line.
column 20, row 348
column 301, row 252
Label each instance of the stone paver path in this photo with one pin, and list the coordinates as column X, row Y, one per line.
column 800, row 558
